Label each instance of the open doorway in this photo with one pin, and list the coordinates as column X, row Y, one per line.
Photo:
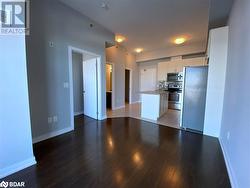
column 110, row 85
column 127, row 86
column 77, row 70
column 84, row 70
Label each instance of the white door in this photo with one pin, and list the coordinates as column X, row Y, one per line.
column 148, row 79
column 90, row 88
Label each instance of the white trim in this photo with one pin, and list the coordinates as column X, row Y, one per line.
column 78, row 50
column 113, row 86
column 70, row 50
column 51, row 134
column 99, row 96
column 182, row 98
column 78, row 113
column 130, row 83
column 99, row 87
column 17, row 167
column 230, row 171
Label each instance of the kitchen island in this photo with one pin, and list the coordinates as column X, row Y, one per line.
column 154, row 104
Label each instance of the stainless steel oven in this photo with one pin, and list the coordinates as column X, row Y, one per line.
column 174, row 101
column 175, row 84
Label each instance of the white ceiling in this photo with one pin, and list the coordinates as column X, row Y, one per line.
column 149, row 24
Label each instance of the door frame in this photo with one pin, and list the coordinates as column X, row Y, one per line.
column 130, row 83
column 72, row 49
column 113, row 84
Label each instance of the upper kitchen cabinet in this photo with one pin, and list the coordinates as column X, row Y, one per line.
column 162, row 69
column 177, row 65
column 169, row 67
column 198, row 61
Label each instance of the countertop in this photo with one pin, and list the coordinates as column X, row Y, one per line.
column 156, row 92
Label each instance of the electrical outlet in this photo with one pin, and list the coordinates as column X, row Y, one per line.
column 51, row 44
column 228, row 135
column 50, row 120
column 55, row 119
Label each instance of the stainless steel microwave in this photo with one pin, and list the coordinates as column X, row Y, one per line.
column 175, row 77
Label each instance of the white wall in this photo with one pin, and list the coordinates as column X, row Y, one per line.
column 16, row 150
column 118, row 57
column 216, row 80
column 77, row 82
column 235, row 127
column 133, row 66
column 48, row 67
column 121, row 60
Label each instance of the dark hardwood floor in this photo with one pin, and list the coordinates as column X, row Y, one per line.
column 126, row 152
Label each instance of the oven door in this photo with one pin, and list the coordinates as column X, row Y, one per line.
column 175, row 100
column 174, row 96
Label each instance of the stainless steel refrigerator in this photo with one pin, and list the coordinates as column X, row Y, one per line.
column 194, row 98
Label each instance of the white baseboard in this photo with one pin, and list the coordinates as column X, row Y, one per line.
column 230, row 171
column 78, row 113
column 17, row 167
column 51, row 134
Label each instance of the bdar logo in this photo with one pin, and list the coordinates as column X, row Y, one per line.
column 4, row 184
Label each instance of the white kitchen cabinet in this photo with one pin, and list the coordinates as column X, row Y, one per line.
column 177, row 66
column 154, row 104
column 199, row 61
column 163, row 104
column 173, row 66
column 163, row 69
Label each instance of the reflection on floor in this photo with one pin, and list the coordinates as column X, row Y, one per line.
column 125, row 153
column 171, row 118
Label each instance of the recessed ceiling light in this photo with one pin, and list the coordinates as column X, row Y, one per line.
column 138, row 50
column 180, row 40
column 119, row 38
